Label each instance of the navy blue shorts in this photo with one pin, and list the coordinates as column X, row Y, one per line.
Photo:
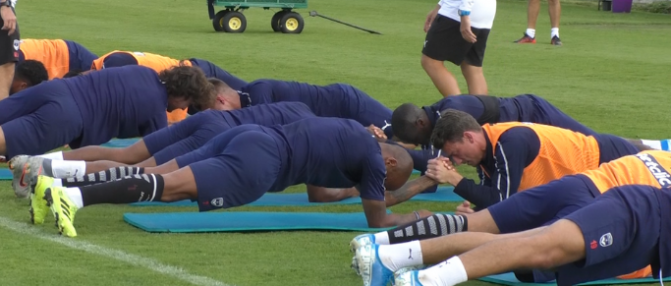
column 234, row 168
column 80, row 57
column 366, row 110
column 612, row 147
column 212, row 70
column 184, row 136
column 543, row 112
column 542, row 204
column 39, row 119
column 621, row 229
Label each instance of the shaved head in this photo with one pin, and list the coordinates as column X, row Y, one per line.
column 399, row 165
column 411, row 124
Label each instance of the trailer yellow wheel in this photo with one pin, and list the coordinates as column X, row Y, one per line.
column 218, row 20
column 275, row 21
column 234, row 22
column 291, row 23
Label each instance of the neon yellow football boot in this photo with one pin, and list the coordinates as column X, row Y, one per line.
column 39, row 203
column 64, row 210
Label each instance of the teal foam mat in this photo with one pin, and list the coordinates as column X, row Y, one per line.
column 443, row 194
column 195, row 222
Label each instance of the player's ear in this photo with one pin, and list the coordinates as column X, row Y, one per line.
column 391, row 162
column 468, row 136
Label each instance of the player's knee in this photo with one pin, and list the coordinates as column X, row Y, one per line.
column 548, row 252
column 430, row 64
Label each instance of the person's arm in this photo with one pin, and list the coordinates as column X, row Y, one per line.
column 8, row 16
column 372, row 192
column 516, row 149
column 409, row 190
column 464, row 13
column 431, row 16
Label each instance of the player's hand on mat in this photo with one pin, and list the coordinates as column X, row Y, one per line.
column 464, row 208
column 429, row 19
column 3, row 159
column 466, row 31
column 9, row 19
column 377, row 133
column 424, row 213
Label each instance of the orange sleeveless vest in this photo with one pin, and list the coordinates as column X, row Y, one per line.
column 562, row 152
column 54, row 54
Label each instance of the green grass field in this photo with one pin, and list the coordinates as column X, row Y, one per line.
column 611, row 74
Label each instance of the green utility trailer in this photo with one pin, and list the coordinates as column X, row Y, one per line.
column 231, row 19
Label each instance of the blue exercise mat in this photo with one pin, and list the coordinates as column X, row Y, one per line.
column 191, row 222
column 509, row 279
column 120, row 143
column 5, row 174
column 443, row 194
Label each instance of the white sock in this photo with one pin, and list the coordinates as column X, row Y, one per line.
column 664, row 145
column 57, row 183
column 554, row 32
column 531, row 33
column 447, row 273
column 68, row 169
column 75, row 195
column 382, row 238
column 397, row 256
column 53, row 156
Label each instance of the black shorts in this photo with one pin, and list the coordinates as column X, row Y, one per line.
column 444, row 43
column 9, row 45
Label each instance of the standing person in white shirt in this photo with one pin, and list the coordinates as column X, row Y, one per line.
column 9, row 45
column 457, row 31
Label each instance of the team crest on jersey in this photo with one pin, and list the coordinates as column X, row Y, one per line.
column 656, row 170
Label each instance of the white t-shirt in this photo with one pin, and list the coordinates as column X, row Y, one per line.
column 482, row 11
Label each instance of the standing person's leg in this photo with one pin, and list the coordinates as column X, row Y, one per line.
column 444, row 43
column 533, row 9
column 554, row 8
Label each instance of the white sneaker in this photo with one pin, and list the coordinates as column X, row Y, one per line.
column 357, row 243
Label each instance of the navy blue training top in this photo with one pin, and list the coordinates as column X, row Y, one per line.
column 331, row 153
column 267, row 114
column 123, row 102
column 508, row 108
column 335, row 100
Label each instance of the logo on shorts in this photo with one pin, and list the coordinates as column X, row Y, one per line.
column 217, row 202
column 606, row 240
column 425, row 43
column 17, row 43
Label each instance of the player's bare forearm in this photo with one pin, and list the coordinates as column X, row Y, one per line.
column 409, row 190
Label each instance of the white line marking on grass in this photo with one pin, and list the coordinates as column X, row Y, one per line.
column 136, row 260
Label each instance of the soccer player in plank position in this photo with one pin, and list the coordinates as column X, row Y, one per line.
column 340, row 101
column 156, row 148
column 159, row 63
column 28, row 73
column 413, row 124
column 94, row 108
column 60, row 57
column 334, row 100
column 512, row 157
column 240, row 165
column 536, row 207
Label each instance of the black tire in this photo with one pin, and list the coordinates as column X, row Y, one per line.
column 291, row 23
column 217, row 21
column 275, row 21
column 234, row 22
